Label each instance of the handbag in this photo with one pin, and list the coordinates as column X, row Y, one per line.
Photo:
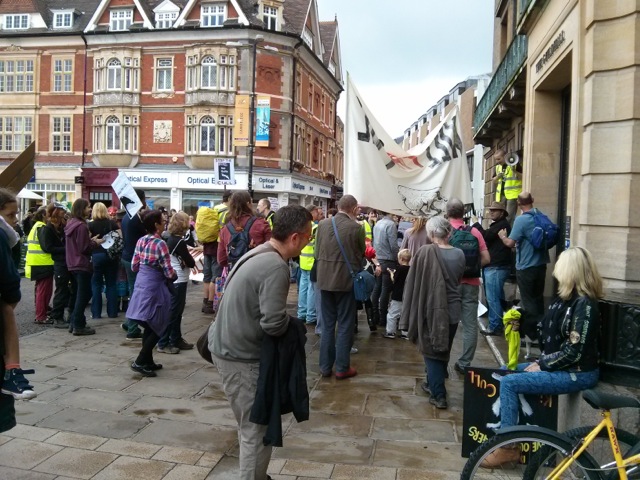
column 363, row 281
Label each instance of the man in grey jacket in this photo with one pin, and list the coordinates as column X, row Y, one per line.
column 338, row 304
column 385, row 242
column 255, row 304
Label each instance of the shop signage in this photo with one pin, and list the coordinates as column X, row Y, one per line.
column 225, row 172
column 78, row 180
column 551, row 51
column 270, row 183
column 154, row 180
column 298, row 186
column 196, row 180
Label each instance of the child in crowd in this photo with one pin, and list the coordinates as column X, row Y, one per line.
column 398, row 277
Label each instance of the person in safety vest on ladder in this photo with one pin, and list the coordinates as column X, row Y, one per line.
column 508, row 184
column 306, row 290
column 39, row 267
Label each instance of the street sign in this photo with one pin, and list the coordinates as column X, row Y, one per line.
column 225, row 172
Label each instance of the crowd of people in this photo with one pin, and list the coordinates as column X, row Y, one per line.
column 426, row 289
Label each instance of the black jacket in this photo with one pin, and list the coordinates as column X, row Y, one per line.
column 499, row 252
column 282, row 381
column 52, row 242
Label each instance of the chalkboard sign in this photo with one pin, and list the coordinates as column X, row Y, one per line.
column 481, row 413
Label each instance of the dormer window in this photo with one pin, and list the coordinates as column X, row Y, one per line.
column 16, row 22
column 213, row 15
column 62, row 19
column 120, row 20
column 307, row 37
column 270, row 17
column 166, row 20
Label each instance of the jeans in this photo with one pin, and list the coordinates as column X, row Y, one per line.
column 83, row 295
column 382, row 292
column 105, row 273
column 494, row 278
column 149, row 340
column 531, row 286
column 338, row 308
column 394, row 315
column 173, row 333
column 436, row 370
column 43, row 292
column 64, row 295
column 240, row 382
column 132, row 326
column 318, row 298
column 306, row 298
column 542, row 383
column 469, row 321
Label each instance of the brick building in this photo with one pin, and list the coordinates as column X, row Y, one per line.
column 162, row 89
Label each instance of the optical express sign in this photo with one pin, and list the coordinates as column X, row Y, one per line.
column 207, row 181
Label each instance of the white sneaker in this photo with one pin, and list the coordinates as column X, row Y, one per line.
column 354, row 350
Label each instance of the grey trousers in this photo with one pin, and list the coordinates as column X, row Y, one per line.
column 469, row 322
column 240, row 382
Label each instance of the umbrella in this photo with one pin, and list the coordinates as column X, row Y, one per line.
column 29, row 195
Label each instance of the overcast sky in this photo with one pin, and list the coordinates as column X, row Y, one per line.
column 404, row 55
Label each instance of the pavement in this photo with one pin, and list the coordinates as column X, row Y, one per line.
column 96, row 419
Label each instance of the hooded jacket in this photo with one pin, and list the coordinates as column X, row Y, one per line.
column 79, row 245
column 425, row 308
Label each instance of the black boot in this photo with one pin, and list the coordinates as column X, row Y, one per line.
column 372, row 324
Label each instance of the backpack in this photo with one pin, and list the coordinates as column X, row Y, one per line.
column 463, row 239
column 239, row 243
column 545, row 232
column 207, row 225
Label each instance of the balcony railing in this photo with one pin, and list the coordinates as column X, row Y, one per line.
column 506, row 73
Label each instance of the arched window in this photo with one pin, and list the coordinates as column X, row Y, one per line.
column 114, row 74
column 113, row 134
column 209, row 72
column 207, row 135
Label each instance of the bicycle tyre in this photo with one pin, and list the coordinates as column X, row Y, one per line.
column 584, row 466
column 601, row 451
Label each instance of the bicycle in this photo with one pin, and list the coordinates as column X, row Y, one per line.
column 537, row 452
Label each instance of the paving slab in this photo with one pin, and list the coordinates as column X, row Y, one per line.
column 35, row 411
column 187, row 456
column 419, row 455
column 427, row 474
column 76, row 463
column 49, row 392
column 25, row 454
column 411, row 430
column 88, row 361
column 76, row 440
column 126, row 468
column 189, row 435
column 179, row 388
column 131, row 449
column 336, row 402
column 47, row 371
column 187, row 472
column 182, row 409
column 307, row 469
column 401, row 369
column 27, row 432
column 349, row 472
column 318, row 447
column 101, row 424
column 108, row 380
column 342, row 425
column 8, row 473
column 98, row 400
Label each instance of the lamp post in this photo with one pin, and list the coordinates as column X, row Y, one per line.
column 252, row 112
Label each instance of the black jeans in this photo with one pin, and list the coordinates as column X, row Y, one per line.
column 83, row 295
column 382, row 292
column 173, row 333
column 65, row 293
column 149, row 340
column 531, row 286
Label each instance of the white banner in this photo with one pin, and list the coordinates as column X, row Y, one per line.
column 128, row 197
column 418, row 182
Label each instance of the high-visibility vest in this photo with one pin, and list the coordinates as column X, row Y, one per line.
column 36, row 257
column 306, row 255
column 269, row 220
column 368, row 232
column 222, row 210
column 512, row 185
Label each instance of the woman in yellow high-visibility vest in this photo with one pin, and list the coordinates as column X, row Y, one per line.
column 39, row 267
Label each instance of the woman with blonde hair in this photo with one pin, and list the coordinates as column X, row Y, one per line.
column 105, row 268
column 416, row 236
column 569, row 344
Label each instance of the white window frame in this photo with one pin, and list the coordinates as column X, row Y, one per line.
column 113, row 138
column 62, row 19
column 16, row 76
column 165, row 19
column 61, row 134
column 209, row 73
column 270, row 17
column 120, row 19
column 62, row 75
column 208, row 126
column 16, row 21
column 164, row 74
column 213, row 15
column 114, row 74
column 16, row 133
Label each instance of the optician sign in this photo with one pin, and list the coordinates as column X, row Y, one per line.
column 146, row 179
column 267, row 182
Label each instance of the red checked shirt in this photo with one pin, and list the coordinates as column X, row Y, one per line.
column 153, row 251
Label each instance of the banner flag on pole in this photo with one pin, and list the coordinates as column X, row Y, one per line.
column 241, row 121
column 263, row 119
column 418, row 182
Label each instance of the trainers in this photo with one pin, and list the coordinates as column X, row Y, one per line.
column 154, row 366
column 134, row 336
column 389, row 335
column 168, row 349
column 425, row 388
column 458, row 368
column 83, row 331
column 46, row 321
column 500, row 457
column 16, row 385
column 182, row 344
column 352, row 372
column 124, row 327
column 143, row 370
column 60, row 324
column 208, row 307
column 404, row 334
column 440, row 402
column 353, row 351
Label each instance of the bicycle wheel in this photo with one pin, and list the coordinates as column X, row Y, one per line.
column 600, row 449
column 537, row 455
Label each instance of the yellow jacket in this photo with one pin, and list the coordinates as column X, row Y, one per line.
column 512, row 184
column 307, row 253
column 36, row 257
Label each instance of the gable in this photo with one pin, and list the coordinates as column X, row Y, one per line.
column 102, row 14
column 192, row 10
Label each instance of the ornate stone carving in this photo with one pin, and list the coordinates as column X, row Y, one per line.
column 269, row 74
column 13, row 48
column 162, row 131
column 204, row 97
column 116, row 98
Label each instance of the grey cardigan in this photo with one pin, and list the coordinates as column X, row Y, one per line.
column 332, row 271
